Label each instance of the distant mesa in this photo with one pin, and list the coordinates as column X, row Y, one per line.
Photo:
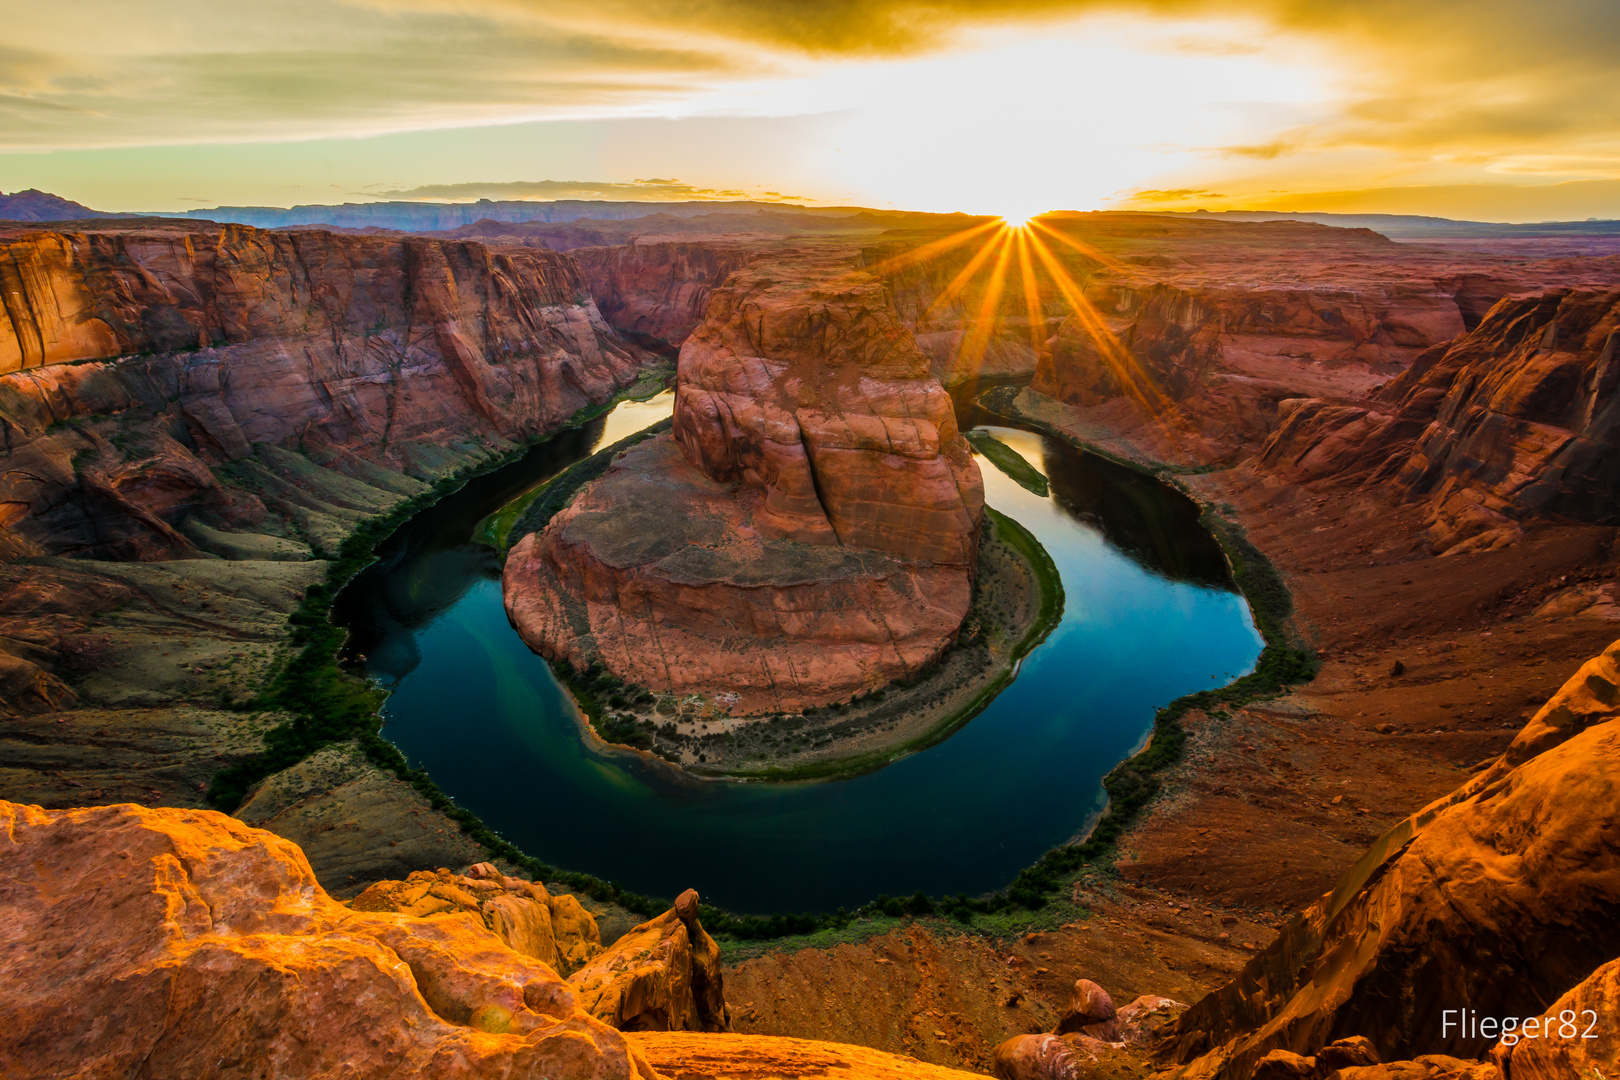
column 808, row 531
column 36, row 205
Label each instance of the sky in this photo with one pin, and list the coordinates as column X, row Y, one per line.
column 1501, row 110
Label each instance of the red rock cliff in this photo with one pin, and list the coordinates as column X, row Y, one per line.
column 139, row 359
column 660, row 289
column 1497, row 898
column 1515, row 421
column 809, row 531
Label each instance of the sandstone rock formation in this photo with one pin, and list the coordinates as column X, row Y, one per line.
column 808, row 532
column 1090, row 1011
column 663, row 975
column 689, row 1056
column 1550, row 1051
column 183, row 943
column 659, row 290
column 1512, row 422
column 552, row 929
column 1497, row 898
column 1092, row 1039
column 173, row 393
column 141, row 359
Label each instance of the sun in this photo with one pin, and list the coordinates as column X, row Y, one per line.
column 1018, row 219
column 1014, row 252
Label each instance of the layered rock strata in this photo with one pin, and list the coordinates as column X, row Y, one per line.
column 406, row 353
column 1516, row 421
column 808, row 531
column 192, row 417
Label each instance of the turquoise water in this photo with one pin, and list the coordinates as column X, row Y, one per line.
column 1149, row 616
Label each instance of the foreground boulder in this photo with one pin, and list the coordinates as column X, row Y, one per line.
column 807, row 532
column 184, row 943
column 553, row 929
column 663, row 975
column 1498, row 898
column 1090, row 1011
column 1591, row 1011
column 1092, row 1039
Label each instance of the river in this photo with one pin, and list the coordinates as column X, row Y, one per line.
column 1150, row 615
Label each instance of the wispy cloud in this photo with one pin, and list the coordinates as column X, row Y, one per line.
column 1418, row 90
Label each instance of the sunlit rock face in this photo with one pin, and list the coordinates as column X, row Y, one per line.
column 819, row 397
column 1499, row 895
column 809, row 529
column 184, row 943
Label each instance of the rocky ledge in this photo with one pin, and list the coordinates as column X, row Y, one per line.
column 171, row 942
column 807, row 532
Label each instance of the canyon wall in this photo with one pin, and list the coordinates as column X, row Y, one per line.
column 659, row 290
column 193, row 418
column 137, row 361
column 1514, row 422
column 1225, row 356
column 808, row 531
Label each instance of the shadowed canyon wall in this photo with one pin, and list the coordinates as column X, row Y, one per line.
column 387, row 350
column 1516, row 421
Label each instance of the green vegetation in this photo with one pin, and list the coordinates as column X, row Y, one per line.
column 496, row 529
column 1130, row 786
column 1050, row 584
column 1008, row 461
column 590, row 688
column 560, row 490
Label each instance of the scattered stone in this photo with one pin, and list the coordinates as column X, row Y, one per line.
column 1140, row 1021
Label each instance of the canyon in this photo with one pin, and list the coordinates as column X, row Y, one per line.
column 1418, row 437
